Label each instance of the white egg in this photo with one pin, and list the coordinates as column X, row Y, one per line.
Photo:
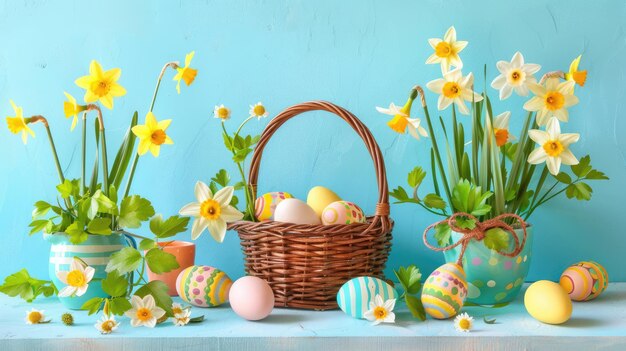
column 295, row 211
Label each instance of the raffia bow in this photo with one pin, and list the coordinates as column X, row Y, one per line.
column 478, row 233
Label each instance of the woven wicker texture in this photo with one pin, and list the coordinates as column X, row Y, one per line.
column 306, row 264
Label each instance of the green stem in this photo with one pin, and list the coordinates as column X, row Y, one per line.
column 436, row 152
column 84, row 153
column 247, row 190
column 131, row 174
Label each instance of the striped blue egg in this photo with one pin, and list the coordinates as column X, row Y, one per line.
column 355, row 295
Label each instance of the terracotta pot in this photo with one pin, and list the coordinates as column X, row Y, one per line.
column 185, row 253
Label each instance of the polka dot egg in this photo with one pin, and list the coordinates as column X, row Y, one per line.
column 444, row 291
column 203, row 286
column 584, row 281
column 265, row 205
column 342, row 212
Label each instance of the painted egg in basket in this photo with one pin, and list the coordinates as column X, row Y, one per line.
column 584, row 281
column 355, row 295
column 342, row 212
column 203, row 286
column 444, row 292
column 265, row 205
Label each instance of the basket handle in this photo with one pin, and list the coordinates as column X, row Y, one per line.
column 382, row 207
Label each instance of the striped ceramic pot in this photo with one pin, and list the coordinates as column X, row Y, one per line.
column 96, row 252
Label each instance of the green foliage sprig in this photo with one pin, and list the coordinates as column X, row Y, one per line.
column 410, row 280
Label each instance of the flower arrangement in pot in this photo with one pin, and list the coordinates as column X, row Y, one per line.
column 488, row 180
column 95, row 263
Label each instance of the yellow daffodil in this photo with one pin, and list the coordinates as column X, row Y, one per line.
column 258, row 111
column 19, row 124
column 72, row 109
column 401, row 121
column 501, row 128
column 463, row 322
column 553, row 147
column 381, row 311
column 553, row 99
column 76, row 279
column 101, row 85
column 152, row 135
column 515, row 75
column 446, row 51
column 222, row 112
column 574, row 74
column 186, row 73
column 454, row 88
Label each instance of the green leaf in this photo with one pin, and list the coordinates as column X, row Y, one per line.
column 41, row 208
column 160, row 261
column 105, row 204
column 465, row 222
column 409, row 278
column 234, row 201
column 93, row 184
column 38, row 225
column 442, row 234
column 124, row 153
column 65, row 189
column 581, row 191
column 147, row 244
column 228, row 141
column 134, row 210
column 126, row 260
column 115, row 284
column 434, row 201
column 239, row 142
column 170, row 227
column 596, row 175
column 563, row 178
column 496, row 239
column 241, row 155
column 92, row 305
column 158, row 290
column 76, row 232
column 510, row 194
column 489, row 321
column 100, row 226
column 415, row 306
column 28, row 288
column 221, row 177
column 416, row 176
column 119, row 306
column 196, row 319
column 468, row 198
column 401, row 195
column 583, row 167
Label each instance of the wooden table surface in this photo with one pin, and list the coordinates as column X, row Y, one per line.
column 595, row 325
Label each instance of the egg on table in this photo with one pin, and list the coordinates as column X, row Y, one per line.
column 342, row 212
column 444, row 291
column 265, row 205
column 319, row 197
column 547, row 302
column 355, row 295
column 203, row 286
column 584, row 281
column 251, row 298
column 295, row 211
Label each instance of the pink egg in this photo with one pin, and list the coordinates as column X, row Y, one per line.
column 342, row 212
column 251, row 298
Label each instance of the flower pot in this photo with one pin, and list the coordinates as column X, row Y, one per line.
column 185, row 253
column 96, row 252
column 493, row 278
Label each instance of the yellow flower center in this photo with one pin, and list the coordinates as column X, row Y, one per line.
column 464, row 324
column 398, row 124
column 222, row 112
column 189, row 74
column 451, row 90
column 553, row 148
column 101, row 87
column 502, row 136
column 380, row 312
column 443, row 49
column 15, row 124
column 516, row 76
column 158, row 137
column 554, row 100
column 210, row 209
column 76, row 278
column 259, row 110
column 34, row 317
column 107, row 326
column 177, row 310
column 144, row 314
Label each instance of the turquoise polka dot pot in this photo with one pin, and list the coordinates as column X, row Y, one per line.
column 491, row 277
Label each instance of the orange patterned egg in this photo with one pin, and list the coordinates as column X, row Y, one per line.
column 584, row 281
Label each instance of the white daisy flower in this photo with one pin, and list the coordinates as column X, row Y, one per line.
column 35, row 317
column 515, row 75
column 463, row 322
column 106, row 324
column 258, row 110
column 221, row 112
column 181, row 319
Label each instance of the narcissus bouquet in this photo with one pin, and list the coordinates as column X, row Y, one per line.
column 101, row 203
column 478, row 165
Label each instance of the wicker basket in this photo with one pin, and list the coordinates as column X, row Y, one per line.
column 306, row 264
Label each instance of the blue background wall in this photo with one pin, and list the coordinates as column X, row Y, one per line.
column 358, row 54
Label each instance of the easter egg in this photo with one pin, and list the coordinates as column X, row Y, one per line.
column 251, row 298
column 584, row 281
column 342, row 212
column 319, row 197
column 355, row 295
column 265, row 205
column 547, row 302
column 444, row 292
column 203, row 286
column 295, row 211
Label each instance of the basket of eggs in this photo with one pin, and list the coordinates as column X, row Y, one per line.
column 307, row 250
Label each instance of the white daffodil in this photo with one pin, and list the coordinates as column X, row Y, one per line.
column 181, row 319
column 446, row 51
column 515, row 75
column 144, row 311
column 35, row 317
column 553, row 147
column 501, row 128
column 463, row 322
column 553, row 99
column 212, row 212
column 401, row 121
column 107, row 324
column 77, row 279
column 221, row 112
column 258, row 110
column 381, row 311
column 454, row 88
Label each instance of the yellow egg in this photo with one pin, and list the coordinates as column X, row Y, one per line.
column 547, row 302
column 319, row 197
